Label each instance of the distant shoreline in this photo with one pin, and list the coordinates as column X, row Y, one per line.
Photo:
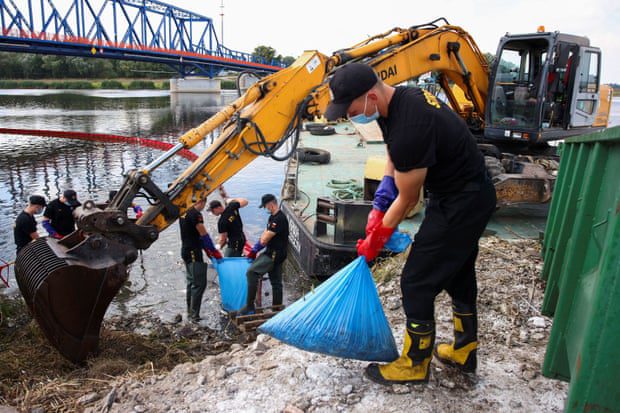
column 86, row 84
column 129, row 84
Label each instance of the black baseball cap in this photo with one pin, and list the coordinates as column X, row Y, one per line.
column 267, row 198
column 37, row 200
column 71, row 197
column 348, row 83
column 214, row 204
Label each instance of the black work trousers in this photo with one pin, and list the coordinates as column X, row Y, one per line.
column 443, row 255
column 261, row 265
column 196, row 283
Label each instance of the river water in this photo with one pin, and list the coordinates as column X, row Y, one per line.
column 47, row 166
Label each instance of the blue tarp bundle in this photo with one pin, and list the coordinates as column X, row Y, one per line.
column 343, row 317
column 233, row 283
column 398, row 242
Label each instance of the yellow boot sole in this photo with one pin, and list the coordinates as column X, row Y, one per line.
column 373, row 372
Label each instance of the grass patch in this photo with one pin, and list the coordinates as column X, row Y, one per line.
column 34, row 375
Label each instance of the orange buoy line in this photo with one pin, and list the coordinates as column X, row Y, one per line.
column 101, row 137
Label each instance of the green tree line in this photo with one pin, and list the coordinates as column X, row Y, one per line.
column 35, row 66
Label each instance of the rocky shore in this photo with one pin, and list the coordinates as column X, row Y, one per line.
column 260, row 374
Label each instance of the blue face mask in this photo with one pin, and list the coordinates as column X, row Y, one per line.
column 362, row 118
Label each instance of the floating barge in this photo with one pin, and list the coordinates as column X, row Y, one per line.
column 327, row 204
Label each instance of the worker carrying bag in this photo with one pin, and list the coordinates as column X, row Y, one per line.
column 233, row 282
column 343, row 317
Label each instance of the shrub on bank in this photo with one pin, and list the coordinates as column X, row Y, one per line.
column 8, row 84
column 141, row 84
column 165, row 85
column 72, row 84
column 112, row 84
column 228, row 84
column 33, row 84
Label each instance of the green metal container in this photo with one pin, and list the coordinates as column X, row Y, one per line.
column 582, row 268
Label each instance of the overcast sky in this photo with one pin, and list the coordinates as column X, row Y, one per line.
column 291, row 26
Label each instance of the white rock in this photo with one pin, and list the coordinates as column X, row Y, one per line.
column 232, row 370
column 139, row 408
column 235, row 348
column 537, row 322
column 259, row 346
column 221, row 373
column 347, row 389
column 447, row 384
column 401, row 389
column 292, row 409
column 318, row 372
column 201, row 380
column 353, row 398
column 393, row 303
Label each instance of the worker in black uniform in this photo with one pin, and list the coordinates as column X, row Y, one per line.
column 274, row 240
column 428, row 144
column 58, row 218
column 25, row 229
column 230, row 225
column 194, row 238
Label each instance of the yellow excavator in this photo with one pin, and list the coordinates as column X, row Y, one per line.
column 542, row 86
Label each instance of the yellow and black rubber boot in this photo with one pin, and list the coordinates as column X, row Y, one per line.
column 413, row 366
column 462, row 352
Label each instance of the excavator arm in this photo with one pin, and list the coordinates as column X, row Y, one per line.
column 69, row 283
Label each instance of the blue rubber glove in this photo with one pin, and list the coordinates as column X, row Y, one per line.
column 50, row 229
column 386, row 194
column 138, row 210
column 255, row 250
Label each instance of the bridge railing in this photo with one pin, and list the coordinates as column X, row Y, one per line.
column 145, row 25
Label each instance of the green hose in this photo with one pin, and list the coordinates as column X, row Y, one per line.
column 347, row 189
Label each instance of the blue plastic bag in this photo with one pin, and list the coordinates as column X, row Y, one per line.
column 398, row 242
column 343, row 317
column 233, row 282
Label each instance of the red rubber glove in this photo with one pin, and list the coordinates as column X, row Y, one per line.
column 138, row 210
column 374, row 242
column 375, row 219
column 214, row 254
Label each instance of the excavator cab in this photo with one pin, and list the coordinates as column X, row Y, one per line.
column 543, row 86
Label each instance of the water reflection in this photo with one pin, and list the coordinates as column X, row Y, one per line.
column 47, row 166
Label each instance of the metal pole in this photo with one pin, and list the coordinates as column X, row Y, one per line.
column 163, row 158
column 222, row 22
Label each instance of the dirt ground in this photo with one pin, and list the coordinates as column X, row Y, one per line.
column 149, row 366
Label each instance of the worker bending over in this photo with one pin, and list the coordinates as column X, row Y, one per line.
column 428, row 144
column 230, row 225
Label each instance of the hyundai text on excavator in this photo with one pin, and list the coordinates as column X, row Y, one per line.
column 542, row 86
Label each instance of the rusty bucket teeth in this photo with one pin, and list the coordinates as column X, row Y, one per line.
column 68, row 290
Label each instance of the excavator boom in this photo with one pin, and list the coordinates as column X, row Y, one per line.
column 68, row 284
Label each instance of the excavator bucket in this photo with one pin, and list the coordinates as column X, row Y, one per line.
column 68, row 285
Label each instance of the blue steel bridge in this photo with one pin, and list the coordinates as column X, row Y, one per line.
column 141, row 30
